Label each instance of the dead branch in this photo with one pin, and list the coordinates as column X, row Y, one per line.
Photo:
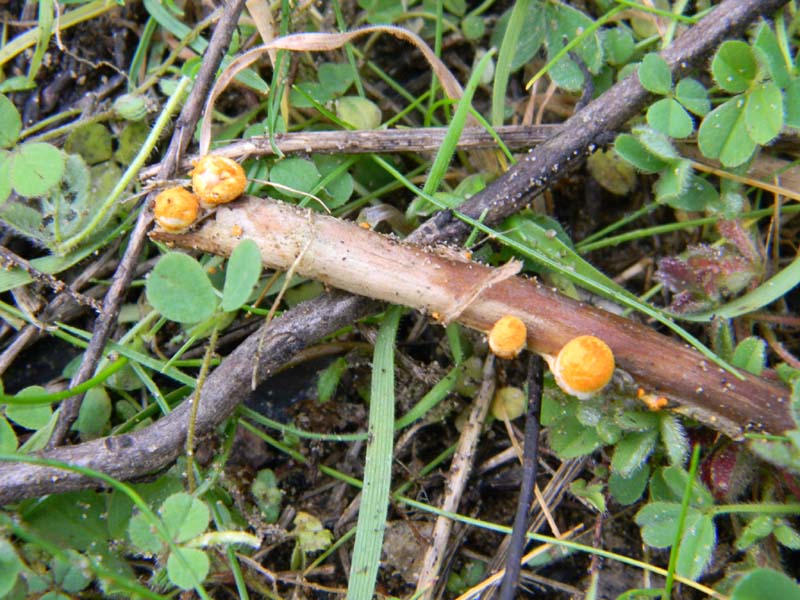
column 416, row 139
column 347, row 257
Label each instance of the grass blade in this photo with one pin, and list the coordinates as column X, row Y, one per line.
column 378, row 467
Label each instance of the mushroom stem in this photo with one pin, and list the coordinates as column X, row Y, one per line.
column 345, row 256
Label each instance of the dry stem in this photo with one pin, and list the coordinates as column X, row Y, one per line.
column 363, row 262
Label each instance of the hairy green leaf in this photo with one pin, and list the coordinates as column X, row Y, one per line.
column 765, row 584
column 36, row 168
column 723, row 134
column 185, row 517
column 693, row 95
column 669, row 117
column 654, row 74
column 10, row 122
column 187, row 567
column 763, row 112
column 633, row 151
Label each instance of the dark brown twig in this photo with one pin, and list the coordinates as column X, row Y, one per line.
column 11, row 259
column 156, row 446
column 530, row 459
column 579, row 135
column 188, row 119
column 147, row 450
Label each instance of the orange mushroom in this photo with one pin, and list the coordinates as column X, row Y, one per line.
column 217, row 180
column 583, row 367
column 508, row 337
column 175, row 209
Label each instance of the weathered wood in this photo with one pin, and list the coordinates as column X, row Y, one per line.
column 345, row 256
column 414, row 139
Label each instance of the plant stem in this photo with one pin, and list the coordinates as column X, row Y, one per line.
column 347, row 257
column 190, row 431
column 133, row 169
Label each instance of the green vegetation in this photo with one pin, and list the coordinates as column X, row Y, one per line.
column 673, row 221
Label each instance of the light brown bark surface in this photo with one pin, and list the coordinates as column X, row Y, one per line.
column 356, row 260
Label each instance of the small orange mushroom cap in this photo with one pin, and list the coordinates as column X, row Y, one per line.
column 217, row 180
column 508, row 337
column 175, row 209
column 584, row 366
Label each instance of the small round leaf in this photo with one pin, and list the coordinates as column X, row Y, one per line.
column 30, row 416
column 674, row 181
column 340, row 188
column 766, row 584
column 244, row 269
column 723, row 134
column 763, row 113
column 143, row 535
column 36, row 168
column 10, row 122
column 10, row 567
column 670, row 118
column 473, row 27
column 184, row 516
column 92, row 142
column 180, row 290
column 612, row 172
column 359, row 112
column 654, row 74
column 5, row 175
column 632, row 451
column 295, row 173
column 619, row 45
column 693, row 95
column 8, row 439
column 95, row 412
column 793, row 103
column 335, row 78
column 71, row 572
column 656, row 143
column 697, row 196
column 187, row 567
column 768, row 50
column 734, row 66
column 628, row 490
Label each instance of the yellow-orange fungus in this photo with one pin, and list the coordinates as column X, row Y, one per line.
column 584, row 366
column 508, row 337
column 176, row 209
column 653, row 402
column 217, row 180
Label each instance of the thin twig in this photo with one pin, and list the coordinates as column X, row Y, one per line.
column 530, row 459
column 10, row 259
column 422, row 139
column 582, row 132
column 553, row 494
column 460, row 469
column 195, row 400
